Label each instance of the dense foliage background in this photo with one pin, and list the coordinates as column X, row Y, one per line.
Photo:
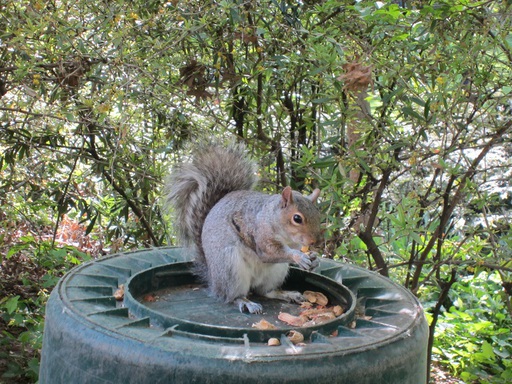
column 400, row 111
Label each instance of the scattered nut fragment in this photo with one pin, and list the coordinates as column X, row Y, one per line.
column 321, row 318
column 150, row 298
column 295, row 321
column 316, row 297
column 325, row 317
column 264, row 325
column 274, row 342
column 337, row 310
column 306, row 305
column 295, row 337
column 314, row 312
column 119, row 293
column 304, row 249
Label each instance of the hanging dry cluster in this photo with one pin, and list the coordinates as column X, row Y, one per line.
column 195, row 77
column 357, row 77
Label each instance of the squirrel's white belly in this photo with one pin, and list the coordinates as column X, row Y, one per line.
column 263, row 277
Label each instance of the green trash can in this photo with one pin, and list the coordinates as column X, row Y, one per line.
column 167, row 329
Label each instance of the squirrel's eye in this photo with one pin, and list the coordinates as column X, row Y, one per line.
column 297, row 219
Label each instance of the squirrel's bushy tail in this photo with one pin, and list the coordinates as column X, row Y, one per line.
column 193, row 188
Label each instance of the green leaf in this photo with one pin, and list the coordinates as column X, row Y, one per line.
column 408, row 111
column 11, row 304
column 488, row 351
column 34, row 365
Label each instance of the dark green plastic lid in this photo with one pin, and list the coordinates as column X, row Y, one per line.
column 168, row 330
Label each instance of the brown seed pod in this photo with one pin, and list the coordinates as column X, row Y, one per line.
column 274, row 342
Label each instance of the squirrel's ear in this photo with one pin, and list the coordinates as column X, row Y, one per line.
column 314, row 195
column 287, row 197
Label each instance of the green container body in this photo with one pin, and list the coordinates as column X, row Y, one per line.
column 90, row 337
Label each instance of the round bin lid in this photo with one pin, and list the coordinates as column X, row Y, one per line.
column 167, row 329
column 171, row 297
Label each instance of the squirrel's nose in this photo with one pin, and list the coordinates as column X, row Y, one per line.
column 317, row 239
column 314, row 241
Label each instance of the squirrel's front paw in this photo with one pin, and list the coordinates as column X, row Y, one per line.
column 307, row 261
column 314, row 257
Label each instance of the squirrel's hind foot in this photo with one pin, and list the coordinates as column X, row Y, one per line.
column 289, row 296
column 245, row 304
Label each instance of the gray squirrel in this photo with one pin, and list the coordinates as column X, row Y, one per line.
column 243, row 240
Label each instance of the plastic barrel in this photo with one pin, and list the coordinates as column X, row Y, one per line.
column 168, row 330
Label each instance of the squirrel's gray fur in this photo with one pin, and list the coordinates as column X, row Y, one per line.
column 194, row 188
column 243, row 239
